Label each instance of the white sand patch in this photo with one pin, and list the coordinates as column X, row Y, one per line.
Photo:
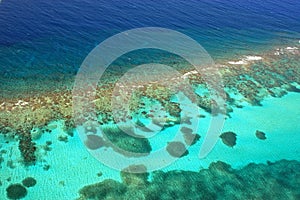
column 21, row 103
column 240, row 62
column 246, row 60
column 277, row 53
column 253, row 58
column 291, row 48
column 186, row 75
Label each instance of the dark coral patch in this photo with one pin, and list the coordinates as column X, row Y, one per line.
column 135, row 175
column 16, row 191
column 94, row 142
column 220, row 166
column 219, row 181
column 186, row 120
column 191, row 138
column 186, row 130
column 177, row 149
column 27, row 149
column 29, row 182
column 107, row 188
column 127, row 144
column 188, row 136
column 228, row 138
column 293, row 88
column 260, row 135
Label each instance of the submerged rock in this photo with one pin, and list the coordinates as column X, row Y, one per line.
column 260, row 135
column 177, row 149
column 228, row 138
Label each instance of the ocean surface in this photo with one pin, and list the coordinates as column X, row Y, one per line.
column 43, row 154
column 44, row 36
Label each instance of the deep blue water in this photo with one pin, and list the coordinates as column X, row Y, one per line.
column 36, row 35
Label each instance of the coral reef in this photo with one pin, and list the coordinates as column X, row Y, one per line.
column 228, row 138
column 260, row 135
column 177, row 149
column 135, row 175
column 279, row 180
column 29, row 182
column 16, row 191
column 108, row 189
column 94, row 142
column 125, row 143
column 27, row 149
column 35, row 133
column 25, row 109
column 189, row 137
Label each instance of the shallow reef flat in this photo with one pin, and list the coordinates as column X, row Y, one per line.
column 274, row 74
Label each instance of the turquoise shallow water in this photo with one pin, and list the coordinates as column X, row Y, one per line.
column 72, row 167
column 43, row 156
